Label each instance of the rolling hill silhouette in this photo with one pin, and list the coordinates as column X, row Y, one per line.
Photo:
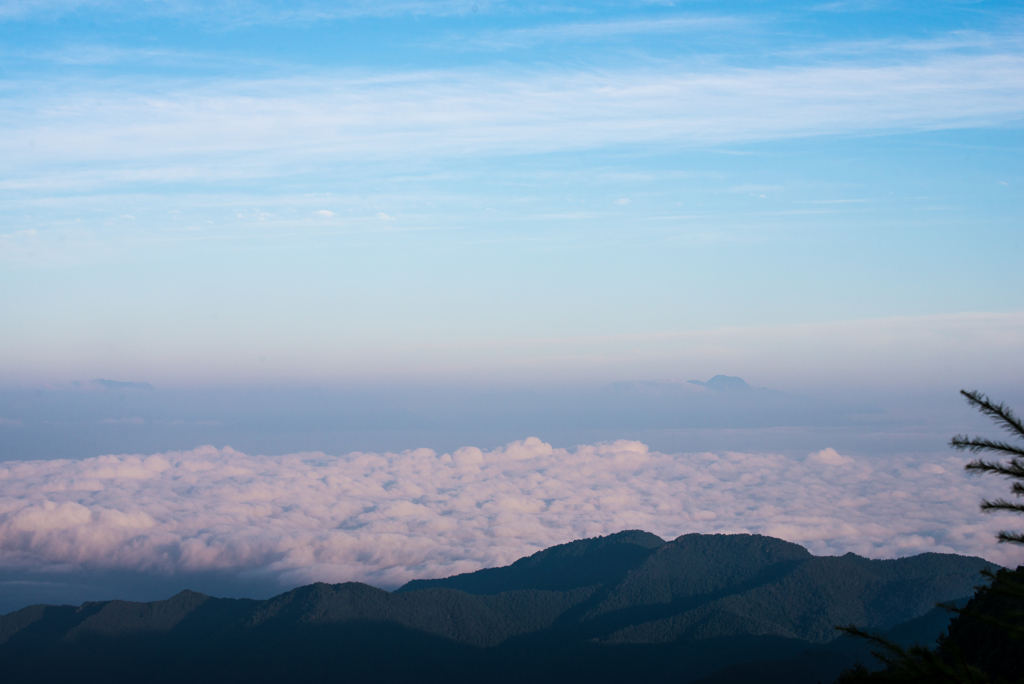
column 628, row 605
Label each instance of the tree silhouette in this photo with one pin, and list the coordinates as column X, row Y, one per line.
column 985, row 638
column 1012, row 469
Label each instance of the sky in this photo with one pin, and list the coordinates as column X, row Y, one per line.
column 254, row 231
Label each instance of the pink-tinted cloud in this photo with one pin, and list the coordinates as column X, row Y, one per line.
column 387, row 518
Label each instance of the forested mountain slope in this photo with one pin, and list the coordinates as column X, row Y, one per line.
column 603, row 609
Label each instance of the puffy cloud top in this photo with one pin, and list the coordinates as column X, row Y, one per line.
column 387, row 518
column 829, row 457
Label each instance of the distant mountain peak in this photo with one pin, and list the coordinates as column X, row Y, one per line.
column 116, row 384
column 724, row 383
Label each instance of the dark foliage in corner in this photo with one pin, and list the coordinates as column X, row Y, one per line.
column 983, row 646
column 986, row 639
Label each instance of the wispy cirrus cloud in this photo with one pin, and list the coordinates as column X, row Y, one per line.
column 270, row 127
column 597, row 30
column 965, row 41
column 247, row 12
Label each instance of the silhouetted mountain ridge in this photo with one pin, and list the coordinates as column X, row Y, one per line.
column 582, row 563
column 604, row 609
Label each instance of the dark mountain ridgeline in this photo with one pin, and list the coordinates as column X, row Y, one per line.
column 583, row 563
column 625, row 606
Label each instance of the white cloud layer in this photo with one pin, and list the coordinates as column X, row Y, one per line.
column 388, row 518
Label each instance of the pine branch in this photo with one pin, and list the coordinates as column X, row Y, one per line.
column 1011, row 537
column 1013, row 469
column 1001, row 505
column 979, row 444
column 999, row 412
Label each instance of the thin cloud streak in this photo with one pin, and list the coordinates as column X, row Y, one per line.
column 244, row 13
column 597, row 30
column 277, row 127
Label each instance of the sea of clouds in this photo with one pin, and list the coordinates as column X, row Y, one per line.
column 391, row 517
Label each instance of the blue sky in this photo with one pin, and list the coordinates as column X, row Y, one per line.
column 309, row 229
column 437, row 217
column 241, row 193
